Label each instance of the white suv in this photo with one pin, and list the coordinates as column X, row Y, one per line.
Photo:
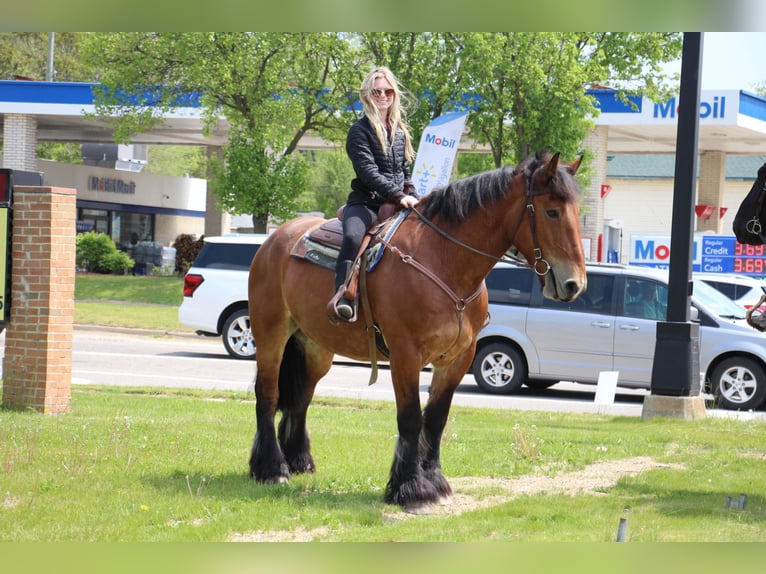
column 742, row 289
column 215, row 292
column 537, row 342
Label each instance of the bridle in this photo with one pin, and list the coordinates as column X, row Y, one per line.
column 541, row 265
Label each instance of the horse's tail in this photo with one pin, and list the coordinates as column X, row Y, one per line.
column 293, row 379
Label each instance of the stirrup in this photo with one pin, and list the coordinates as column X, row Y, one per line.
column 334, row 314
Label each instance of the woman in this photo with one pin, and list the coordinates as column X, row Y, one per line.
column 380, row 148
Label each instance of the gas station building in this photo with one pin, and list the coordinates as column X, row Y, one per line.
column 630, row 194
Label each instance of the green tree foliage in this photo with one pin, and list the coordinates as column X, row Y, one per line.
column 527, row 92
column 96, row 252
column 25, row 55
column 177, row 160
column 272, row 88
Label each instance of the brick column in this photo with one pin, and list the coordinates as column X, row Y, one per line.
column 37, row 372
column 592, row 216
column 710, row 188
column 20, row 137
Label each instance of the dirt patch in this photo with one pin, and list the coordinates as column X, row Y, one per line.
column 476, row 492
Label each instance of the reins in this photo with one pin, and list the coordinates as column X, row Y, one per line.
column 529, row 209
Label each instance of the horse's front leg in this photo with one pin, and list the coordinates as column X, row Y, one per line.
column 444, row 381
column 267, row 463
column 407, row 485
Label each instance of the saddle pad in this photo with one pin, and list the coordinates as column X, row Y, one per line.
column 319, row 246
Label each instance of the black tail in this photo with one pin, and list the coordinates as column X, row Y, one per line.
column 293, row 380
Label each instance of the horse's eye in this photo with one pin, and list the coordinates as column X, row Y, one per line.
column 553, row 213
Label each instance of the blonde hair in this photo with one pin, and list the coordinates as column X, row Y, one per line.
column 397, row 114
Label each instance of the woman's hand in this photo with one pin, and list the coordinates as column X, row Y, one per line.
column 408, row 201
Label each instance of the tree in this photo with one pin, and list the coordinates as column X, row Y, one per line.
column 532, row 86
column 271, row 87
column 25, row 55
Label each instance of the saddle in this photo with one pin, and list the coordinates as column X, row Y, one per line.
column 321, row 245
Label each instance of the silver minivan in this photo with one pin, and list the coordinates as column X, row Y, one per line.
column 537, row 342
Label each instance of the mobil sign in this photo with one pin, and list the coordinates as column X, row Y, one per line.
column 654, row 251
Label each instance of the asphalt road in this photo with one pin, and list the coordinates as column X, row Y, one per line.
column 146, row 359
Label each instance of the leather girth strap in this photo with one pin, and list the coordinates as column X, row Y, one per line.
column 369, row 322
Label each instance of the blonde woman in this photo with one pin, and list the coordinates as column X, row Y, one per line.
column 380, row 148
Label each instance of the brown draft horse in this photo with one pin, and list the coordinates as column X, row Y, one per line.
column 428, row 298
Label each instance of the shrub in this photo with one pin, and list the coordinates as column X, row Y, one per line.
column 97, row 252
column 187, row 249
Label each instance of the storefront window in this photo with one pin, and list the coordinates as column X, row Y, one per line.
column 130, row 228
column 93, row 220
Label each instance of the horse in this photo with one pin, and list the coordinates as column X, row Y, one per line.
column 426, row 298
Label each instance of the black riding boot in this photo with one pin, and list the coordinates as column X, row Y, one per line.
column 343, row 307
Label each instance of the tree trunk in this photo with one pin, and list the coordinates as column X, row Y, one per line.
column 260, row 222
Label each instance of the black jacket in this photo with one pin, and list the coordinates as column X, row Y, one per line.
column 379, row 177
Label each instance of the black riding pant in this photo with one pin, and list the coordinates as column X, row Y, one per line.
column 357, row 219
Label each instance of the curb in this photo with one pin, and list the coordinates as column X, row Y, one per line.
column 138, row 331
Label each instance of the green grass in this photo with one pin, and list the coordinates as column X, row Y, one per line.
column 147, row 302
column 136, row 288
column 145, row 465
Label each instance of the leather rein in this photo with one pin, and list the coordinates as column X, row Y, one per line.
column 541, row 266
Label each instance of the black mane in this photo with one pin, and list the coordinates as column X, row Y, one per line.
column 461, row 197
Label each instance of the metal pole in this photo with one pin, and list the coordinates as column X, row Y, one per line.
column 675, row 371
column 49, row 68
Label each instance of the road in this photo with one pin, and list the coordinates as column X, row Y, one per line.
column 141, row 358
column 114, row 357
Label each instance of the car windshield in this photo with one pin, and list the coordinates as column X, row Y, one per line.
column 717, row 301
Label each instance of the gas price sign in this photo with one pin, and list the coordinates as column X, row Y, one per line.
column 711, row 254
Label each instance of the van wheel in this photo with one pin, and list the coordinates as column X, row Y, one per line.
column 237, row 338
column 499, row 369
column 739, row 384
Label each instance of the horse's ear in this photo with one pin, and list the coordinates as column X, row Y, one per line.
column 551, row 166
column 575, row 165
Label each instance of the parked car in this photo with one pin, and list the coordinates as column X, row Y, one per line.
column 215, row 292
column 537, row 342
column 742, row 289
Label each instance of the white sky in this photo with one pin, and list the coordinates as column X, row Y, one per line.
column 733, row 60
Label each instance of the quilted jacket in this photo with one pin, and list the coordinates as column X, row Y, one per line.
column 379, row 177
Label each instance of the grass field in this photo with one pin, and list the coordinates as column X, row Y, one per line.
column 145, row 465
column 148, row 302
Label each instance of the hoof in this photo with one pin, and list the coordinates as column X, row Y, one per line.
column 277, row 480
column 420, row 509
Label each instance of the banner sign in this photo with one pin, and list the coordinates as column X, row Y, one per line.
column 437, row 152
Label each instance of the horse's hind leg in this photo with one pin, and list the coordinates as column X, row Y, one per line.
column 295, row 394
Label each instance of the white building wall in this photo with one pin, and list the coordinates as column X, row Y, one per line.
column 646, row 207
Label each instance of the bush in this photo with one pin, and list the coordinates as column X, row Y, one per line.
column 187, row 249
column 97, row 252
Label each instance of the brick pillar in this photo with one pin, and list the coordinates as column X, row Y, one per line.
column 592, row 215
column 37, row 372
column 20, row 137
column 710, row 188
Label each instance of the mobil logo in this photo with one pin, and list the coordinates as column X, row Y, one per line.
column 711, row 107
column 653, row 250
column 437, row 140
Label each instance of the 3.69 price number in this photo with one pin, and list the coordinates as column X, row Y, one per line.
column 752, row 265
column 749, row 250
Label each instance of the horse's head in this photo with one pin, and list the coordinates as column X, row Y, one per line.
column 548, row 234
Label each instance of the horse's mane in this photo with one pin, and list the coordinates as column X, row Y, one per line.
column 460, row 198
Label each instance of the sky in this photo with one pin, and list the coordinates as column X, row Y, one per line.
column 733, row 60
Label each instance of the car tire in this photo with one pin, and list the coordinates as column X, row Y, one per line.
column 237, row 338
column 499, row 369
column 739, row 384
